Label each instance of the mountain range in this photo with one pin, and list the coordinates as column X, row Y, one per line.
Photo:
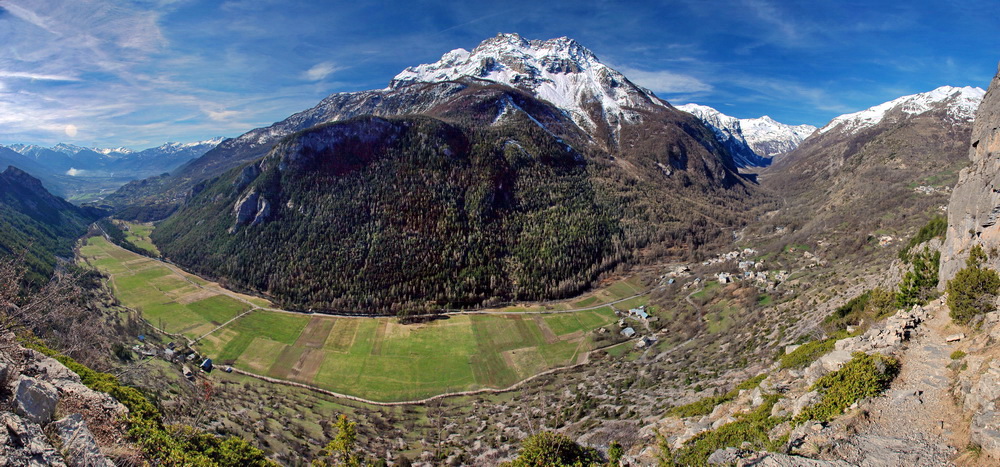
column 884, row 169
column 538, row 150
column 82, row 173
column 754, row 142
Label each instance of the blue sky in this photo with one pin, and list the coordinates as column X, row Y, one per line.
column 140, row 73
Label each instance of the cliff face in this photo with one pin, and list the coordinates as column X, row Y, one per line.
column 974, row 210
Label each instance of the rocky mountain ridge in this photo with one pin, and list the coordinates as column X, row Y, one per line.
column 753, row 141
column 958, row 103
column 560, row 71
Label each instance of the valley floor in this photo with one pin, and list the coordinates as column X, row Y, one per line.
column 378, row 359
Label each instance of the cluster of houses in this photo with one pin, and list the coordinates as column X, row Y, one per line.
column 171, row 353
column 731, row 256
column 629, row 332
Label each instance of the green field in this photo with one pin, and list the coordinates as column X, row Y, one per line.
column 375, row 358
column 138, row 234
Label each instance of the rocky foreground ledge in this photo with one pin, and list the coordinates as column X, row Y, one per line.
column 49, row 417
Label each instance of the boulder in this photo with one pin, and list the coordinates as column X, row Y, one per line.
column 35, row 399
column 22, row 443
column 834, row 360
column 803, row 401
column 985, row 431
column 78, row 445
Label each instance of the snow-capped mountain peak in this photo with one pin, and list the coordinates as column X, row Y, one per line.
column 960, row 103
column 559, row 70
column 762, row 137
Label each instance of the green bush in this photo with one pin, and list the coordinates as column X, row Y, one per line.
column 973, row 289
column 958, row 355
column 919, row 284
column 937, row 227
column 750, row 428
column 554, row 449
column 864, row 376
column 706, row 405
column 807, row 353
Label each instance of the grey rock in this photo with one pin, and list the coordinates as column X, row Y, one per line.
column 22, row 443
column 984, row 392
column 35, row 399
column 985, row 431
column 51, row 370
column 78, row 445
column 746, row 458
column 972, row 211
column 246, row 208
column 834, row 360
column 955, row 337
column 804, row 401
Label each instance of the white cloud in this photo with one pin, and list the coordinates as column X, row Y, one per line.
column 221, row 115
column 320, row 71
column 36, row 76
column 666, row 82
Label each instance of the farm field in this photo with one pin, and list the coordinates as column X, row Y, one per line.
column 374, row 358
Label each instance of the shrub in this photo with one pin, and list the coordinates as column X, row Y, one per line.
column 958, row 355
column 864, row 376
column 752, row 428
column 919, row 284
column 167, row 445
column 936, row 227
column 973, row 289
column 554, row 449
column 807, row 353
column 706, row 405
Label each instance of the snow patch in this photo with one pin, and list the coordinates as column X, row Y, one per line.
column 961, row 105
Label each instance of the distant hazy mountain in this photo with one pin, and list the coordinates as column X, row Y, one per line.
column 525, row 178
column 887, row 168
column 82, row 173
column 76, row 160
column 753, row 141
column 38, row 224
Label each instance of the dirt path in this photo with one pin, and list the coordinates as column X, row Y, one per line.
column 916, row 423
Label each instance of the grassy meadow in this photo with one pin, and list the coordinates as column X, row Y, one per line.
column 375, row 358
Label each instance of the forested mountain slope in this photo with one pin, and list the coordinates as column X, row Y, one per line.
column 37, row 224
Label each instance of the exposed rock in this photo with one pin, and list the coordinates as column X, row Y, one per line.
column 985, row 431
column 78, row 444
column 35, row 400
column 22, row 443
column 251, row 209
column 247, row 175
column 955, row 337
column 246, row 207
column 744, row 458
column 984, row 392
column 804, row 401
column 975, row 203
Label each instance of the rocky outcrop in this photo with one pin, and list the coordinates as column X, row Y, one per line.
column 251, row 209
column 35, row 400
column 37, row 390
column 975, row 203
column 78, row 444
column 22, row 443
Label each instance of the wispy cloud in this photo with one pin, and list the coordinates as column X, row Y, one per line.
column 320, row 71
column 665, row 82
column 37, row 76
